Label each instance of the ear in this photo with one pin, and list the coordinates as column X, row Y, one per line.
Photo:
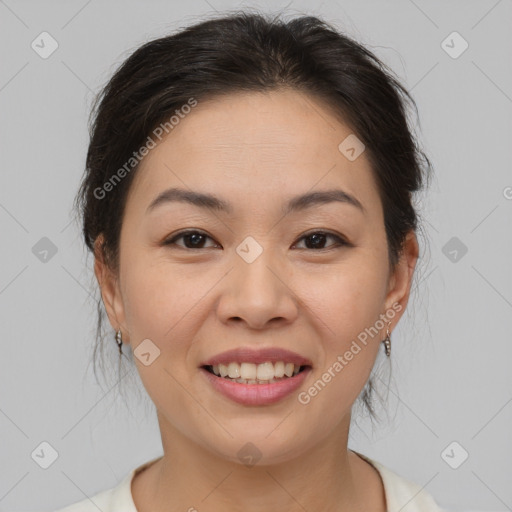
column 110, row 291
column 401, row 279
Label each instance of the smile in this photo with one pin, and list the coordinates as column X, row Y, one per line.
column 251, row 384
column 250, row 373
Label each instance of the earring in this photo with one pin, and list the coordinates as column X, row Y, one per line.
column 119, row 341
column 387, row 341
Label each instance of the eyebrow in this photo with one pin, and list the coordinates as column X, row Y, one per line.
column 298, row 203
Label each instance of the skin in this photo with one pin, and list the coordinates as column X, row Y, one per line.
column 256, row 151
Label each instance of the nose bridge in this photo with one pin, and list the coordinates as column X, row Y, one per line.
column 255, row 291
column 253, row 264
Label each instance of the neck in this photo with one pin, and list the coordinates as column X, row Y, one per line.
column 327, row 477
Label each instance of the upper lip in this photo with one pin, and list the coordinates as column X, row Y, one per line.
column 257, row 356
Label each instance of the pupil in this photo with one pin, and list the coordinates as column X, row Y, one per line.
column 195, row 238
column 315, row 238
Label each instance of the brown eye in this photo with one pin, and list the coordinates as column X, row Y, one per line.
column 193, row 239
column 316, row 240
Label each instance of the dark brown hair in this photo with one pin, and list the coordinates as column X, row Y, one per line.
column 250, row 52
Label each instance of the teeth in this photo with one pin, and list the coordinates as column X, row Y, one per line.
column 279, row 369
column 250, row 373
column 288, row 369
column 233, row 370
column 265, row 371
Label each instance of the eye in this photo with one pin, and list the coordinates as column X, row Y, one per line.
column 195, row 239
column 317, row 240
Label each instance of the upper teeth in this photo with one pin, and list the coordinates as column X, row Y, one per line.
column 251, row 371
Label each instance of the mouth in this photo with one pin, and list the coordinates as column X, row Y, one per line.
column 256, row 374
column 256, row 377
column 269, row 386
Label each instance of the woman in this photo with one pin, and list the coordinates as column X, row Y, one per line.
column 248, row 200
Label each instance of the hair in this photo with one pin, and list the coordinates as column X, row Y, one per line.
column 250, row 52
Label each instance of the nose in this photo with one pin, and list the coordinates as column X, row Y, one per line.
column 258, row 293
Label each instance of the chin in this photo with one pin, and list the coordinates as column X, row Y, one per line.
column 261, row 443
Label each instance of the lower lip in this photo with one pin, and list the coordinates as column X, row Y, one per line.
column 256, row 394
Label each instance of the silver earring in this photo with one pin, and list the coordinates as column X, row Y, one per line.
column 119, row 341
column 387, row 341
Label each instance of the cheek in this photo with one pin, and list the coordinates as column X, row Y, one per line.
column 157, row 300
column 167, row 304
column 159, row 306
column 347, row 299
column 346, row 307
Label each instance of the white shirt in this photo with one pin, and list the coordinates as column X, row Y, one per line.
column 401, row 494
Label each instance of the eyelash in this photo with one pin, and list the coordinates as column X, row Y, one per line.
column 340, row 242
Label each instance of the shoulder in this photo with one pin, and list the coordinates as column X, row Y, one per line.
column 401, row 494
column 115, row 499
column 101, row 501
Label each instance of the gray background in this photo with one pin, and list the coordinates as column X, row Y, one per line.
column 452, row 350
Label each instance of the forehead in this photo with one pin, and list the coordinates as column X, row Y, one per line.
column 253, row 147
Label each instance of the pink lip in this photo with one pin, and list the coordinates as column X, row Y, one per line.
column 250, row 355
column 256, row 394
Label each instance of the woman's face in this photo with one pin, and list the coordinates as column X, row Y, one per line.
column 256, row 275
